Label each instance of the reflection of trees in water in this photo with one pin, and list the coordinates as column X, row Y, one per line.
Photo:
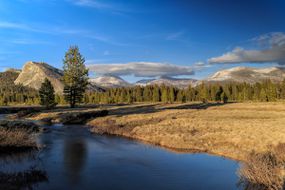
column 22, row 180
column 18, row 157
column 75, row 153
column 25, row 179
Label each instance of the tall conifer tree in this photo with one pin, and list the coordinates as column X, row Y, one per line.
column 75, row 76
column 47, row 96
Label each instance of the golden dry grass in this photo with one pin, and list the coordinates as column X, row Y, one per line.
column 231, row 130
column 264, row 171
column 16, row 139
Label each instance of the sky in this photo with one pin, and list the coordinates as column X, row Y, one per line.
column 138, row 39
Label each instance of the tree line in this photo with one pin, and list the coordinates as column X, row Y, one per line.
column 235, row 92
column 11, row 94
column 75, row 81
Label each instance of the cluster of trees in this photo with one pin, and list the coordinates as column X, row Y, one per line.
column 75, row 80
column 237, row 92
column 18, row 94
column 15, row 94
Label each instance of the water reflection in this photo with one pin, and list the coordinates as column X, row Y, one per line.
column 21, row 170
column 74, row 155
column 72, row 158
column 27, row 179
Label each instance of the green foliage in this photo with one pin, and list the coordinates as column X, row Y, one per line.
column 75, row 76
column 235, row 92
column 47, row 96
column 224, row 97
column 218, row 94
column 11, row 94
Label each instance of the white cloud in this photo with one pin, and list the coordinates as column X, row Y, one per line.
column 175, row 36
column 92, row 3
column 29, row 41
column 200, row 63
column 273, row 53
column 12, row 25
column 106, row 53
column 141, row 69
column 273, row 38
column 113, row 8
column 56, row 30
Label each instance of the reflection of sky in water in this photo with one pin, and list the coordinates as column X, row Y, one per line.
column 74, row 159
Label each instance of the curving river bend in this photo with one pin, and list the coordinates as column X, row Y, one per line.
column 75, row 159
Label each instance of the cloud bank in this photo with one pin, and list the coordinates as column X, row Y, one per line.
column 141, row 69
column 274, row 51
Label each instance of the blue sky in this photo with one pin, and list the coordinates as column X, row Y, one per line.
column 216, row 34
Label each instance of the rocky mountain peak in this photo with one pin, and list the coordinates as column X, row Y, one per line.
column 109, row 81
column 248, row 74
column 33, row 75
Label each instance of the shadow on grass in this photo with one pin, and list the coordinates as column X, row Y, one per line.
column 153, row 108
column 199, row 105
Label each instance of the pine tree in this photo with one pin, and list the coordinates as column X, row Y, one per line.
column 171, row 95
column 47, row 96
column 224, row 97
column 75, row 76
column 218, row 96
column 156, row 94
column 203, row 93
column 263, row 96
column 164, row 94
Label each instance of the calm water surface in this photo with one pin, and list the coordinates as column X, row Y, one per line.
column 75, row 159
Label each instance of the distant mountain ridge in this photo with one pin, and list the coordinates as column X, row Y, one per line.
column 8, row 77
column 33, row 74
column 248, row 74
column 109, row 81
column 168, row 81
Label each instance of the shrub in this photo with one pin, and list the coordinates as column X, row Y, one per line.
column 264, row 171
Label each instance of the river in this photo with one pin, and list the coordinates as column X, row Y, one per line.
column 72, row 158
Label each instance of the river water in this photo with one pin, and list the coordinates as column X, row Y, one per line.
column 72, row 158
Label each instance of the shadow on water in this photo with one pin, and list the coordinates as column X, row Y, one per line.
column 74, row 155
column 21, row 170
column 74, row 159
column 22, row 180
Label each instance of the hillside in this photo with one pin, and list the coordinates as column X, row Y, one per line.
column 248, row 75
column 109, row 81
column 168, row 81
column 33, row 75
column 8, row 77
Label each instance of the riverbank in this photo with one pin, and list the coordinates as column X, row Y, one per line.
column 230, row 130
column 249, row 132
column 17, row 136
